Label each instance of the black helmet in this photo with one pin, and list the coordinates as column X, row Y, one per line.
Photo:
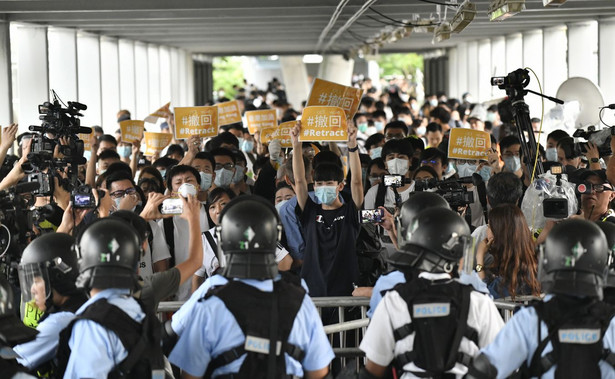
column 12, row 330
column 574, row 259
column 108, row 252
column 437, row 239
column 48, row 262
column 416, row 203
column 136, row 221
column 248, row 232
column 608, row 228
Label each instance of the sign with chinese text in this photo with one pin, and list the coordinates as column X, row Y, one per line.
column 228, row 113
column 132, row 130
column 162, row 112
column 468, row 144
column 196, row 121
column 323, row 124
column 284, row 133
column 155, row 142
column 335, row 95
column 258, row 120
column 85, row 137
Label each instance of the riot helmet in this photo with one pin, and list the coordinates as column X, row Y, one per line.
column 12, row 330
column 248, row 232
column 608, row 228
column 47, row 263
column 437, row 239
column 574, row 259
column 108, row 252
column 416, row 203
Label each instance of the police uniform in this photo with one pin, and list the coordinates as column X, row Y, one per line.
column 392, row 313
column 96, row 350
column 213, row 330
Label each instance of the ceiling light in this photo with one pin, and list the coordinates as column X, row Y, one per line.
column 465, row 14
column 500, row 10
column 553, row 3
column 443, row 32
column 312, row 58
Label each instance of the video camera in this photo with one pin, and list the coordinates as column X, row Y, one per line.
column 600, row 138
column 453, row 190
column 395, row 181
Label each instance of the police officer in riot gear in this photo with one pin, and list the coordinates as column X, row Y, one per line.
column 232, row 326
column 433, row 324
column 608, row 228
column 47, row 273
column 112, row 335
column 572, row 333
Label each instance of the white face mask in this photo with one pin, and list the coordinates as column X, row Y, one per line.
column 398, row 166
column 421, row 130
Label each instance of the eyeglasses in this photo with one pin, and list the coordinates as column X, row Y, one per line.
column 228, row 166
column 122, row 193
column 433, row 161
column 389, row 136
column 599, row 188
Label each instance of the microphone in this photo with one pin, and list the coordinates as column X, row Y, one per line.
column 22, row 187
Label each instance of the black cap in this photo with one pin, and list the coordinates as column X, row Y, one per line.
column 601, row 174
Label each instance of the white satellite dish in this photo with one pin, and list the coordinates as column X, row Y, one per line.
column 584, row 94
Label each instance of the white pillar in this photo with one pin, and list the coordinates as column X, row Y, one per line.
column 127, row 76
column 153, row 64
column 175, row 74
column 472, row 68
column 110, row 83
column 514, row 52
column 532, row 58
column 294, row 77
column 6, row 97
column 462, row 70
column 373, row 72
column 606, row 59
column 165, row 75
column 453, row 74
column 336, row 69
column 32, row 76
column 498, row 62
column 583, row 50
column 555, row 53
column 142, row 82
column 63, row 62
column 484, row 70
column 189, row 75
column 88, row 77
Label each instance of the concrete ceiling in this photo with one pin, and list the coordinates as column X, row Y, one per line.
column 265, row 27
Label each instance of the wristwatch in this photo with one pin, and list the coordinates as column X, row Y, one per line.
column 478, row 267
column 353, row 149
column 594, row 160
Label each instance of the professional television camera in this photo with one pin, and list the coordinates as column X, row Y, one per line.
column 600, row 138
column 453, row 190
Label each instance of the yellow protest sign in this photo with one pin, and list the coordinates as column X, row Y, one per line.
column 228, row 113
column 85, row 137
column 196, row 121
column 323, row 124
column 284, row 133
column 335, row 95
column 162, row 112
column 468, row 144
column 132, row 130
column 257, row 120
column 155, row 142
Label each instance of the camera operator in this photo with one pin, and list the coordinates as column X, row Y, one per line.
column 8, row 137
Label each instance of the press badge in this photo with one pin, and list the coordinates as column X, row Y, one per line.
column 431, row 310
column 260, row 345
column 579, row 336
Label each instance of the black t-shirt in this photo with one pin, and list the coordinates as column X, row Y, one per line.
column 330, row 264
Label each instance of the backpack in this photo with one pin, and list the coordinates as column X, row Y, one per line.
column 142, row 340
column 576, row 328
column 262, row 316
column 439, row 313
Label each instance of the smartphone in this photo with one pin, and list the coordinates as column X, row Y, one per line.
column 172, row 207
column 393, row 180
column 371, row 216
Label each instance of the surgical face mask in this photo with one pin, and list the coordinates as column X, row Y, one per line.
column 238, row 177
column 433, row 102
column 404, row 97
column 376, row 152
column 163, row 172
column 513, row 164
column 551, row 154
column 205, row 180
column 373, row 181
column 379, row 125
column 326, row 194
column 398, row 166
column 117, row 204
column 87, row 154
column 279, row 205
column 485, row 173
column 240, row 141
column 421, row 130
column 415, row 106
column 124, row 151
column 362, row 127
column 490, row 117
column 224, row 177
column 466, row 169
column 247, row 146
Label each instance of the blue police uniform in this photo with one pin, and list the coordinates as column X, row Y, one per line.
column 96, row 350
column 183, row 316
column 43, row 348
column 517, row 341
column 210, row 329
column 393, row 278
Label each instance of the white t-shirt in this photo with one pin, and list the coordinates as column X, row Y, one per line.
column 210, row 260
column 181, row 236
column 392, row 312
column 389, row 197
column 158, row 252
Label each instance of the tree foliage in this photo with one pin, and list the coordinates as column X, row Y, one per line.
column 227, row 72
column 400, row 64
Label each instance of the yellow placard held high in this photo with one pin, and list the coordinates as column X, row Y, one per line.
column 332, row 94
column 155, row 142
column 323, row 124
column 85, row 137
column 228, row 113
column 468, row 144
column 257, row 120
column 196, row 121
column 162, row 112
column 132, row 130
column 284, row 133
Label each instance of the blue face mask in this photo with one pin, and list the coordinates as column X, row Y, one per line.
column 466, row 169
column 87, row 155
column 376, row 152
column 513, row 164
column 551, row 154
column 163, row 172
column 362, row 127
column 279, row 205
column 240, row 139
column 205, row 180
column 326, row 194
column 238, row 177
column 379, row 125
column 247, row 146
column 224, row 177
column 485, row 173
column 124, row 151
